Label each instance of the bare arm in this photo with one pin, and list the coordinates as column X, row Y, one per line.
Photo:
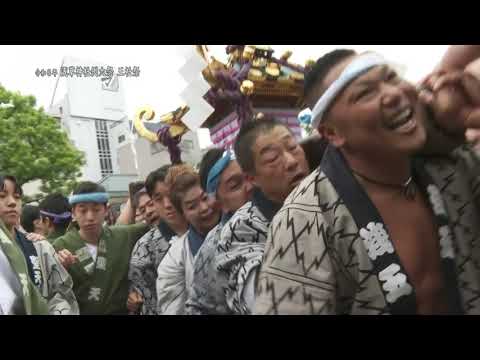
column 127, row 214
column 458, row 57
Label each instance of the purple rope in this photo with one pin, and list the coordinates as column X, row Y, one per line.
column 297, row 68
column 172, row 144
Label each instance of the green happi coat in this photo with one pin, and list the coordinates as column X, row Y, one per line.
column 32, row 300
column 55, row 235
column 101, row 285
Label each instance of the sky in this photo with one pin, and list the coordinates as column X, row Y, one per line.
column 159, row 83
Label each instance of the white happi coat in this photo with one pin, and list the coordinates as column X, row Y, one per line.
column 57, row 287
column 175, row 276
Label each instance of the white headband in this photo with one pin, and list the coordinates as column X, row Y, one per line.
column 357, row 67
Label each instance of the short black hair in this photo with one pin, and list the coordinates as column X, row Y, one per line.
column 56, row 204
column 87, row 187
column 138, row 195
column 322, row 67
column 246, row 138
column 154, row 177
column 314, row 147
column 208, row 160
column 17, row 187
column 30, row 213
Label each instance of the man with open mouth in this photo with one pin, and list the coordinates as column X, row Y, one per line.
column 275, row 163
column 378, row 228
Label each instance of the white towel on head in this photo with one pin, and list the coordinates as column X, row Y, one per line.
column 357, row 67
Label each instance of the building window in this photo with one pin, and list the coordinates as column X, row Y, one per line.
column 121, row 139
column 103, row 143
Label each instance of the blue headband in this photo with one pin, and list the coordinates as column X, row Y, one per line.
column 305, row 117
column 57, row 218
column 214, row 174
column 357, row 67
column 101, row 198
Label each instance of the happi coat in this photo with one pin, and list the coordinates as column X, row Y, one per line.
column 101, row 284
column 147, row 254
column 48, row 275
column 175, row 273
column 240, row 251
column 329, row 251
column 206, row 295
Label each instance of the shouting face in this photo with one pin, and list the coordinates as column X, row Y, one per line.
column 377, row 114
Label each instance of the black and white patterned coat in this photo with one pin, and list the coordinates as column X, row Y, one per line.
column 240, row 251
column 329, row 252
column 142, row 275
column 206, row 296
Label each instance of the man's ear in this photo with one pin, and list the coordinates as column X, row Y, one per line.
column 331, row 133
column 48, row 222
column 251, row 179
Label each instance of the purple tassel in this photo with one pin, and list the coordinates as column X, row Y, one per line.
column 171, row 143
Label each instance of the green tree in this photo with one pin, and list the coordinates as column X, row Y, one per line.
column 34, row 147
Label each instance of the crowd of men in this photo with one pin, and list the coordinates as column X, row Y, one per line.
column 379, row 213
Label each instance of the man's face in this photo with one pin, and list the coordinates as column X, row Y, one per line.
column 234, row 189
column 40, row 227
column 146, row 210
column 280, row 163
column 90, row 216
column 10, row 204
column 199, row 210
column 163, row 206
column 151, row 215
column 378, row 113
column 46, row 224
column 138, row 216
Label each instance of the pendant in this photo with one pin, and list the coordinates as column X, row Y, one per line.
column 410, row 191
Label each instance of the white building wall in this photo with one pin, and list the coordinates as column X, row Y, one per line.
column 83, row 136
column 82, row 133
column 88, row 99
column 152, row 156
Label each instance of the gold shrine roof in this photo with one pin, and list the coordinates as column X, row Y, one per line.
column 275, row 82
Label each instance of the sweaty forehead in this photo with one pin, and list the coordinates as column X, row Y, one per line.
column 89, row 205
column 192, row 194
column 160, row 187
column 143, row 199
column 230, row 171
column 272, row 137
